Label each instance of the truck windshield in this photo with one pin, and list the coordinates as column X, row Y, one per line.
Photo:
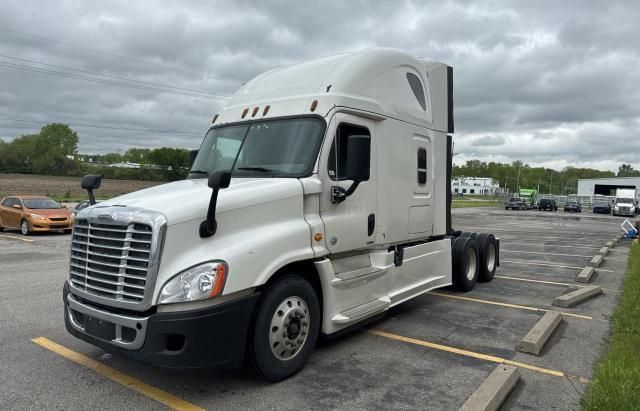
column 271, row 148
column 624, row 200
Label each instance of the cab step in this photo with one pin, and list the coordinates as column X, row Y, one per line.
column 362, row 311
column 348, row 277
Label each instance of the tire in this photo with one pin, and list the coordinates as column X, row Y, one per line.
column 289, row 295
column 488, row 257
column 465, row 262
column 67, row 231
column 506, row 208
column 24, row 227
column 470, row 235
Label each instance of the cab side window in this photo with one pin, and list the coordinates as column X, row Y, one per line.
column 337, row 164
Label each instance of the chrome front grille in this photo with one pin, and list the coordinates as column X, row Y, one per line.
column 111, row 261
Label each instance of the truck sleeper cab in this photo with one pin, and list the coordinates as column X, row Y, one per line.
column 318, row 199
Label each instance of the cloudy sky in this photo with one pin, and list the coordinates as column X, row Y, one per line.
column 551, row 83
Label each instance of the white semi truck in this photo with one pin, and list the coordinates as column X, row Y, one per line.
column 318, row 200
column 626, row 202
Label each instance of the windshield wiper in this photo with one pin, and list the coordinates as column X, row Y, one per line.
column 261, row 169
column 199, row 172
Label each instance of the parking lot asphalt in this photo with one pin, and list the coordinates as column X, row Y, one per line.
column 429, row 353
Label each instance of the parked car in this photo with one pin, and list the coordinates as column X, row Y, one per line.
column 601, row 207
column 515, row 203
column 572, row 206
column 34, row 213
column 547, row 204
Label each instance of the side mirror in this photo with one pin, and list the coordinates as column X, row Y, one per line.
column 357, row 168
column 192, row 157
column 217, row 180
column 358, row 157
column 91, row 182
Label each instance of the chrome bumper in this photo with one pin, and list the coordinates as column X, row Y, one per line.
column 137, row 324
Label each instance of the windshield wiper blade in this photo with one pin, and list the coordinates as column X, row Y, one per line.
column 261, row 169
column 198, row 172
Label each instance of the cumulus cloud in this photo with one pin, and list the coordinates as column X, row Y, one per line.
column 546, row 82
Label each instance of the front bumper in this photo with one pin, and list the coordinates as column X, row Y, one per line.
column 46, row 225
column 209, row 337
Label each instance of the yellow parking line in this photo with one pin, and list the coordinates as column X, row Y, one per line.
column 466, row 353
column 530, row 280
column 117, row 376
column 521, row 307
column 550, row 265
column 544, row 253
column 16, row 238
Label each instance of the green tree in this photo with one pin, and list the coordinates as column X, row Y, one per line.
column 626, row 170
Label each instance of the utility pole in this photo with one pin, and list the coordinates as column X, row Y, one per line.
column 518, row 181
column 538, row 185
column 551, row 185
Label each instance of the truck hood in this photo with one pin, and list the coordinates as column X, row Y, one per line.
column 187, row 200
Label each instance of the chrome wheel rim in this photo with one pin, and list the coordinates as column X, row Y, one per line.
column 24, row 228
column 491, row 257
column 289, row 328
column 471, row 263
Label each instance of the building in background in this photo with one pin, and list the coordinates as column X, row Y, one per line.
column 474, row 185
column 589, row 187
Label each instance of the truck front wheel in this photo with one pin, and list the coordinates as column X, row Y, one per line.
column 285, row 329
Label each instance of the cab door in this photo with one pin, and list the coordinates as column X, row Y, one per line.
column 350, row 224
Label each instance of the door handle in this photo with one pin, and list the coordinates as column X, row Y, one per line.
column 371, row 224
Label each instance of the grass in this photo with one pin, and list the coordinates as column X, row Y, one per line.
column 473, row 203
column 616, row 381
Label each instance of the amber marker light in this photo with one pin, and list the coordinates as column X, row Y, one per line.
column 266, row 110
column 317, row 237
column 244, row 112
column 221, row 278
column 213, row 120
column 255, row 111
column 314, row 104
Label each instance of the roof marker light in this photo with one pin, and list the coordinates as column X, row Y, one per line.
column 266, row 110
column 244, row 112
column 314, row 104
column 255, row 111
column 213, row 120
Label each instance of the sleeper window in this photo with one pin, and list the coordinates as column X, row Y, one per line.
column 422, row 166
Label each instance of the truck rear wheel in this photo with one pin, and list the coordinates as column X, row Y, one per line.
column 465, row 263
column 285, row 329
column 470, row 235
column 488, row 256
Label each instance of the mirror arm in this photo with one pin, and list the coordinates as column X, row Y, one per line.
column 92, row 198
column 339, row 194
column 209, row 226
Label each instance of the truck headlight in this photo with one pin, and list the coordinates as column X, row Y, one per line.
column 197, row 283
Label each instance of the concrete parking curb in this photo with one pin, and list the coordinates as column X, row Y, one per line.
column 535, row 339
column 615, row 240
column 576, row 297
column 610, row 244
column 494, row 390
column 604, row 250
column 585, row 275
column 596, row 261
